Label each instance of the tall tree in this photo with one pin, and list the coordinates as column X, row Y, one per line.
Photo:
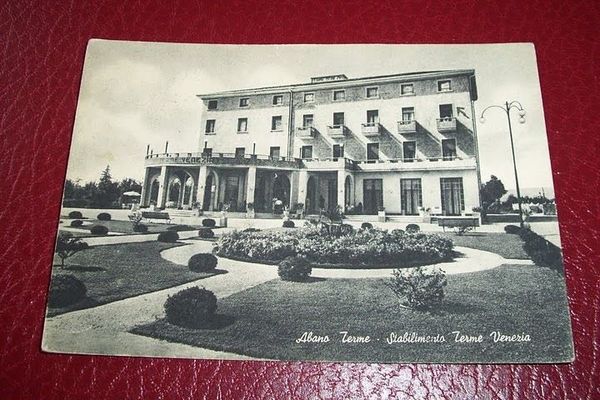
column 108, row 191
column 491, row 192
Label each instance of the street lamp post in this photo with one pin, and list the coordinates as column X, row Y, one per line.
column 506, row 108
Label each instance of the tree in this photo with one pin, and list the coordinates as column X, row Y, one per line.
column 491, row 192
column 108, row 191
column 67, row 245
column 129, row 185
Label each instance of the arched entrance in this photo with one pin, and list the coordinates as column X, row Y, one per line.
column 348, row 193
column 188, row 189
column 174, row 192
column 281, row 189
column 154, row 186
column 209, row 191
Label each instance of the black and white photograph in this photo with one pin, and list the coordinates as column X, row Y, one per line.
column 358, row 203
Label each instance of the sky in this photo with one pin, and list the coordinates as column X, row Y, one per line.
column 135, row 94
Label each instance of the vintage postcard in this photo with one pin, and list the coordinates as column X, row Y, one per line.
column 363, row 203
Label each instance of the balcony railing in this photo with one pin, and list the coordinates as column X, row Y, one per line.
column 371, row 128
column 432, row 163
column 305, row 132
column 220, row 159
column 337, row 131
column 333, row 163
column 407, row 126
column 447, row 124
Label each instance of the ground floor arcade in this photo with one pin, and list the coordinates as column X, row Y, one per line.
column 267, row 189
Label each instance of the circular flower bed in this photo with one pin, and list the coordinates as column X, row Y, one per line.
column 370, row 248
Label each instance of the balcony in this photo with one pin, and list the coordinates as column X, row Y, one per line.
column 417, row 164
column 224, row 159
column 447, row 124
column 306, row 132
column 337, row 131
column 328, row 164
column 407, row 126
column 371, row 128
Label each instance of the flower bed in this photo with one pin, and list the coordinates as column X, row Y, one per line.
column 361, row 249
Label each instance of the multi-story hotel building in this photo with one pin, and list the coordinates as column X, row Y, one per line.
column 399, row 142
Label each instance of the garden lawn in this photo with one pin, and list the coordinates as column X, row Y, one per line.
column 503, row 244
column 115, row 272
column 117, row 226
column 512, row 299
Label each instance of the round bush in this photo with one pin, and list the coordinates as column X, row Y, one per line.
column 412, row 228
column 420, row 288
column 65, row 290
column 76, row 223
column 104, row 217
column 140, row 228
column 251, row 230
column 99, row 230
column 366, row 225
column 202, row 262
column 209, row 222
column 512, row 229
column 206, row 233
column 191, row 308
column 180, row 228
column 295, row 269
column 168, row 237
column 75, row 215
column 289, row 224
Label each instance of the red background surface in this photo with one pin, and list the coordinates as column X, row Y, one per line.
column 42, row 49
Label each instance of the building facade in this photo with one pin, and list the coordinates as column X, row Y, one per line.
column 402, row 143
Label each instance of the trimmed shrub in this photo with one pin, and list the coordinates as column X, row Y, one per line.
column 76, row 223
column 65, row 290
column 295, row 269
column 99, row 230
column 181, row 228
column 397, row 232
column 419, row 288
column 289, row 224
column 412, row 228
column 512, row 229
column 209, row 222
column 206, row 233
column 542, row 252
column 104, row 217
column 191, row 308
column 67, row 245
column 202, row 262
column 140, row 228
column 366, row 225
column 251, row 230
column 168, row 237
column 75, row 215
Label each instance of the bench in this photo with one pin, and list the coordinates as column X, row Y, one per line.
column 461, row 224
column 156, row 215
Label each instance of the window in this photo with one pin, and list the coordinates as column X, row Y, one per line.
column 277, row 100
column 338, row 119
column 240, row 152
column 409, row 151
column 446, row 111
column 244, row 102
column 338, row 151
column 242, row 125
column 372, row 117
column 275, row 152
column 210, row 126
column 339, row 95
column 453, row 201
column 307, row 120
column 407, row 89
column 445, row 85
column 408, row 114
column 449, row 149
column 306, row 152
column 212, row 104
column 309, row 97
column 372, row 151
column 372, row 92
column 207, row 152
column 411, row 196
column 276, row 123
column 372, row 195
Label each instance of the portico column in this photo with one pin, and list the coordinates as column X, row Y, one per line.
column 302, row 182
column 294, row 189
column 200, row 187
column 162, row 187
column 341, row 189
column 145, row 189
column 180, row 197
column 250, row 184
